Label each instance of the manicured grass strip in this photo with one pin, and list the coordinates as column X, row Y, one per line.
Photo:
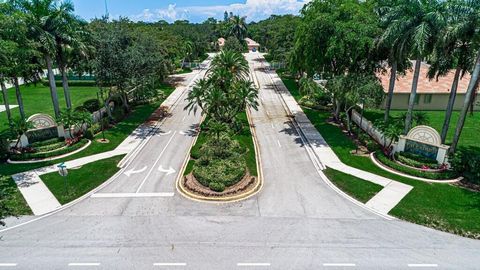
column 442, row 206
column 81, row 181
column 245, row 139
column 115, row 135
column 358, row 188
column 14, row 201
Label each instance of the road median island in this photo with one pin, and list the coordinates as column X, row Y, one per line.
column 242, row 187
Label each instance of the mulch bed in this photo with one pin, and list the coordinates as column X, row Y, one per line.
column 243, row 185
column 467, row 185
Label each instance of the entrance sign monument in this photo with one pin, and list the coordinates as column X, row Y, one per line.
column 424, row 141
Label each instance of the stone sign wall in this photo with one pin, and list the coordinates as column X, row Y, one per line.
column 424, row 141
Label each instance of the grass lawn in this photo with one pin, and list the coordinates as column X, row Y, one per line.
column 15, row 202
column 36, row 99
column 81, row 181
column 116, row 135
column 436, row 118
column 442, row 206
column 360, row 189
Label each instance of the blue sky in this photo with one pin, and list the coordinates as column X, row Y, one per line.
column 192, row 10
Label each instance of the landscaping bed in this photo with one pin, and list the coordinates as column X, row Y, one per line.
column 224, row 164
column 427, row 174
column 49, row 151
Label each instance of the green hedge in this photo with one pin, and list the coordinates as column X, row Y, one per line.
column 59, row 152
column 50, row 147
column 428, row 175
column 416, row 161
column 47, row 142
column 72, row 83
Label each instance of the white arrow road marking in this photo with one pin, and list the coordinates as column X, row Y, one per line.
column 155, row 163
column 133, row 171
column 187, row 132
column 169, row 171
column 164, row 133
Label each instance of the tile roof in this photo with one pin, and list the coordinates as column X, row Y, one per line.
column 425, row 86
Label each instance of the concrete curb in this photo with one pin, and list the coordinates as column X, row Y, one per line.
column 53, row 158
column 385, row 168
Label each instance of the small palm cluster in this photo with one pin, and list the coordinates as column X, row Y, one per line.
column 222, row 96
column 226, row 91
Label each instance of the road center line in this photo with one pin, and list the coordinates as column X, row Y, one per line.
column 132, row 195
column 422, row 265
column 155, row 164
column 84, row 264
column 253, row 264
column 339, row 264
column 8, row 264
column 169, row 264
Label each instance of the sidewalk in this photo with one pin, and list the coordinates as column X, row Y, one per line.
column 37, row 194
column 393, row 191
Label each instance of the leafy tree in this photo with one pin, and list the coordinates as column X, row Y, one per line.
column 233, row 44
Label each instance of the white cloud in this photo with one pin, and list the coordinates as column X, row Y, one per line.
column 253, row 9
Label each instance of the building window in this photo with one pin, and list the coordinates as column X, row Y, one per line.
column 427, row 99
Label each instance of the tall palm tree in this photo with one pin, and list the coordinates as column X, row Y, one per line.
column 45, row 20
column 238, row 27
column 187, row 50
column 454, row 50
column 470, row 20
column 69, row 40
column 416, row 24
column 231, row 61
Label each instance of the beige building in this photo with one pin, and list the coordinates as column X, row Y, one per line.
column 252, row 45
column 431, row 94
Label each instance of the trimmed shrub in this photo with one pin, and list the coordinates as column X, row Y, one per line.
column 47, row 142
column 445, row 175
column 216, row 186
column 59, row 152
column 416, row 161
column 4, row 147
column 92, row 105
column 466, row 161
column 72, row 83
column 50, row 147
column 227, row 172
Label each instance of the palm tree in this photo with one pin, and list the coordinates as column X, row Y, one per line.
column 69, row 40
column 454, row 50
column 470, row 11
column 238, row 27
column 188, row 50
column 231, row 61
column 415, row 24
column 46, row 20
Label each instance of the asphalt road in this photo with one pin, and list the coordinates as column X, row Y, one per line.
column 296, row 222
